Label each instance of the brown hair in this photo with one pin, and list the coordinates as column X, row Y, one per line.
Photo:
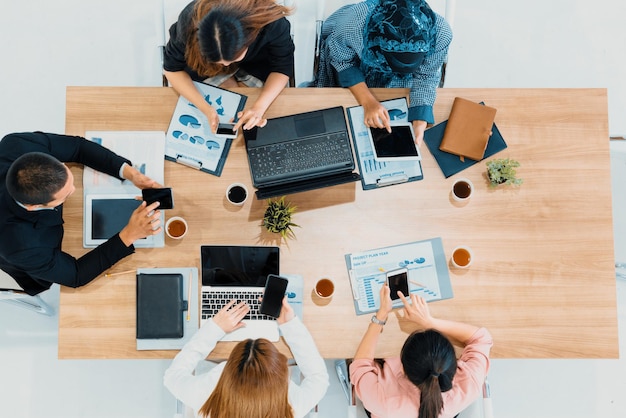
column 254, row 383
column 222, row 30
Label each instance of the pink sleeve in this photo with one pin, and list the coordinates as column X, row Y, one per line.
column 472, row 368
column 365, row 375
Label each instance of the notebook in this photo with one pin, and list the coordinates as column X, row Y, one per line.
column 160, row 305
column 300, row 152
column 468, row 129
column 238, row 272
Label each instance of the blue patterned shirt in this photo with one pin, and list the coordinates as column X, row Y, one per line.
column 341, row 64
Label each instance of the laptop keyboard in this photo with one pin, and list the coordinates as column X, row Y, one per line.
column 212, row 302
column 300, row 156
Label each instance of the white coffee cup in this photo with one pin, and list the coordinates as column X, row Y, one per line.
column 176, row 227
column 462, row 190
column 237, row 193
column 462, row 257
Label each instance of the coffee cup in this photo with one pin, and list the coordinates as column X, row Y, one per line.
column 462, row 257
column 237, row 193
column 176, row 227
column 325, row 288
column 462, row 190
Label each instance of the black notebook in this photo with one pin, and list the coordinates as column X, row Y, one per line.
column 160, row 306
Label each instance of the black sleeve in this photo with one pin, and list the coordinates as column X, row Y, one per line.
column 174, row 53
column 72, row 149
column 280, row 47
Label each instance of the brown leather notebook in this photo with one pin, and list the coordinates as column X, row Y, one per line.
column 468, row 129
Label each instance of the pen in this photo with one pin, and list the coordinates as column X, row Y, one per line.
column 418, row 284
column 118, row 273
column 189, row 298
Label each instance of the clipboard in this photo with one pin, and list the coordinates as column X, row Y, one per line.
column 376, row 174
column 189, row 139
column 425, row 261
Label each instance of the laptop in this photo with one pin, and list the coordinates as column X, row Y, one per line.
column 238, row 272
column 300, row 152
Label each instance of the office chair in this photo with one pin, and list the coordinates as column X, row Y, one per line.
column 183, row 411
column 618, row 173
column 306, row 27
column 480, row 408
column 11, row 292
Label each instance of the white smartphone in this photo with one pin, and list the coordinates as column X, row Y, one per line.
column 226, row 130
column 399, row 145
column 398, row 280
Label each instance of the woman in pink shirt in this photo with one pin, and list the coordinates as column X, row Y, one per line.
column 427, row 380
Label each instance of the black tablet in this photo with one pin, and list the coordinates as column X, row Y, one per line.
column 395, row 146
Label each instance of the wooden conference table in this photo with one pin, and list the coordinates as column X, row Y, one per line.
column 542, row 280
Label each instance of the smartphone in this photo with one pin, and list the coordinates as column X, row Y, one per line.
column 163, row 196
column 398, row 280
column 275, row 288
column 226, row 129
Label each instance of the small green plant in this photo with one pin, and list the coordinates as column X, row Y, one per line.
column 277, row 217
column 502, row 171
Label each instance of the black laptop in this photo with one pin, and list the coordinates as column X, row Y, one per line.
column 300, row 152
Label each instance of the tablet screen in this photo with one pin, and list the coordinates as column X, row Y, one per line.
column 110, row 216
column 398, row 143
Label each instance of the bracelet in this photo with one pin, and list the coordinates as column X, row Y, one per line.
column 378, row 321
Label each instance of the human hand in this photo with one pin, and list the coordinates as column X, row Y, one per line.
column 386, row 304
column 138, row 179
column 230, row 316
column 143, row 222
column 419, row 126
column 249, row 118
column 211, row 115
column 418, row 311
column 376, row 116
column 286, row 313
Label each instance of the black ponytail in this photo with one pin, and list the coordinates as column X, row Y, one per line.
column 429, row 362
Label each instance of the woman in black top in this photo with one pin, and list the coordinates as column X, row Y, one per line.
column 231, row 43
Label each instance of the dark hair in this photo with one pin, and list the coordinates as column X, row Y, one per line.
column 221, row 30
column 35, row 177
column 429, row 362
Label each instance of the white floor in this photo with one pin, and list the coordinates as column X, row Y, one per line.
column 49, row 45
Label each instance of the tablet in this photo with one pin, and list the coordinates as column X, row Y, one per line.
column 398, row 145
column 107, row 214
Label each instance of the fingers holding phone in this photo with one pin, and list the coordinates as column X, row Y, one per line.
column 164, row 196
column 273, row 296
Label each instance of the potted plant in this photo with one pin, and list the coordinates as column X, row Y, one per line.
column 502, row 171
column 277, row 218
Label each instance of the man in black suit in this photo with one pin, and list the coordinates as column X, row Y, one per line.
column 34, row 183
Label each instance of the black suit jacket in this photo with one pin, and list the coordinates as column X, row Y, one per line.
column 30, row 241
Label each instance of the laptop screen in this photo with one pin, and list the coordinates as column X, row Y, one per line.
column 238, row 265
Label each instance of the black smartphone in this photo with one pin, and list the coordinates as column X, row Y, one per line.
column 163, row 196
column 226, row 129
column 398, row 280
column 275, row 288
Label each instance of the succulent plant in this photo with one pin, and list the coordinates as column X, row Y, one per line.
column 502, row 171
column 277, row 218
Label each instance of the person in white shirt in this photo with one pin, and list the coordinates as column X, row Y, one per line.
column 254, row 382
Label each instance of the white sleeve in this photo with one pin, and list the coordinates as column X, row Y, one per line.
column 179, row 378
column 312, row 388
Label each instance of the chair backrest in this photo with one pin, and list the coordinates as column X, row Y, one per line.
column 306, row 26
column 7, row 282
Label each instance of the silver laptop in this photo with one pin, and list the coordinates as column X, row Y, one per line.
column 239, row 273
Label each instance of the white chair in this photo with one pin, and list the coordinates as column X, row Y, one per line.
column 167, row 12
column 618, row 174
column 480, row 408
column 11, row 292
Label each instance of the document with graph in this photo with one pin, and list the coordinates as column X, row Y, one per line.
column 376, row 173
column 425, row 261
column 190, row 140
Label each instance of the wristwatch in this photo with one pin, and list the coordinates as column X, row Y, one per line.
column 378, row 321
